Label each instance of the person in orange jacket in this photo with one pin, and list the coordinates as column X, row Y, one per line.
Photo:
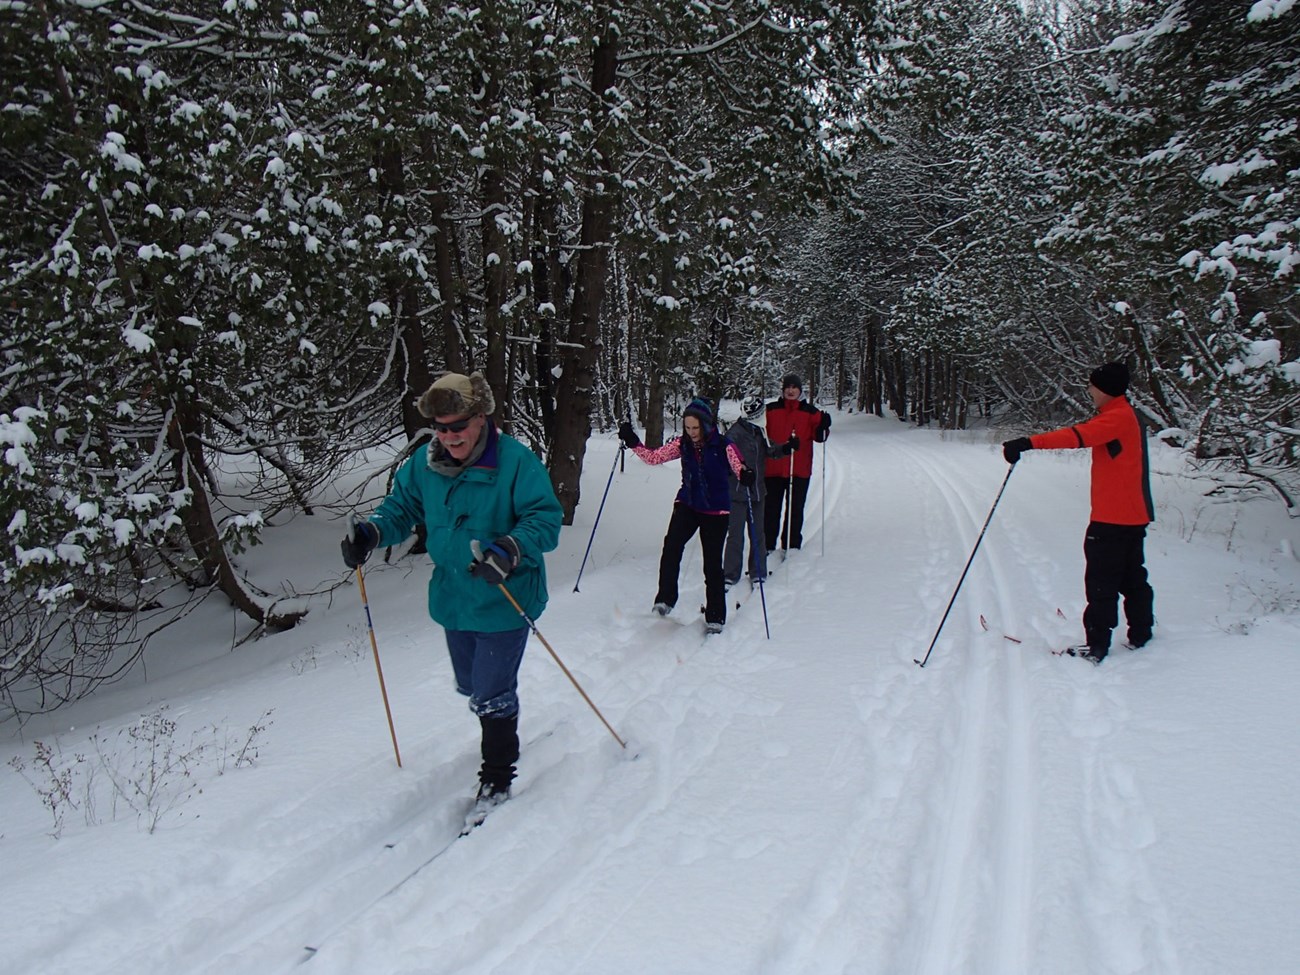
column 1121, row 510
column 787, row 416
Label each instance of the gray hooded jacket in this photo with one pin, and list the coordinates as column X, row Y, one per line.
column 751, row 441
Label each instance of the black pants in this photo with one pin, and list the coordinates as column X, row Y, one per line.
column 684, row 523
column 1114, row 559
column 772, row 529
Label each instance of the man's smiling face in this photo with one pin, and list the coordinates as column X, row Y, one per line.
column 459, row 434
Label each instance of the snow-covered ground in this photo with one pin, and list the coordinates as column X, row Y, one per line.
column 812, row 803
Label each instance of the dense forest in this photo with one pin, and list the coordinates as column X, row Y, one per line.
column 248, row 234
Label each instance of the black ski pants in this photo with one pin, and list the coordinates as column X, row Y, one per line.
column 683, row 525
column 776, row 495
column 1114, row 560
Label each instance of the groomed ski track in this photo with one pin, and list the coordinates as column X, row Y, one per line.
column 875, row 817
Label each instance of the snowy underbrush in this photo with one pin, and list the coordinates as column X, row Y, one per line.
column 147, row 769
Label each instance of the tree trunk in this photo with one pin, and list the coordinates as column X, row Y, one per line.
column 201, row 527
column 841, row 377
column 405, row 298
column 546, row 279
column 496, row 276
column 573, row 404
column 443, row 246
column 418, row 377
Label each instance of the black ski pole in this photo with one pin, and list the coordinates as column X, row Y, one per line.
column 754, row 550
column 922, row 661
column 621, row 447
column 824, row 497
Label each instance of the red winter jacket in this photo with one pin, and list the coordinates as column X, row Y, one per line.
column 783, row 417
column 1121, row 486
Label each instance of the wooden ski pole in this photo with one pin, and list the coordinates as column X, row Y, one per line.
column 556, row 657
column 374, row 646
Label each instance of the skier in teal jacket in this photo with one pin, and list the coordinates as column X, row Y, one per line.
column 491, row 513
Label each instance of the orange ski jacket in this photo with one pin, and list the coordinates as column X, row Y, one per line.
column 1121, row 477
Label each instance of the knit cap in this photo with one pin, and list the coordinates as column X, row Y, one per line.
column 1111, row 379
column 702, row 410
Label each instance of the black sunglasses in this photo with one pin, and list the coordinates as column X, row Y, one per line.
column 455, row 426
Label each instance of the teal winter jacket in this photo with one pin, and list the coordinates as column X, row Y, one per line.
column 506, row 492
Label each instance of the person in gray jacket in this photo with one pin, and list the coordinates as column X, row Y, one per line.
column 751, row 440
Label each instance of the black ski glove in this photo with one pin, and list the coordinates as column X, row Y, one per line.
column 360, row 541
column 1012, row 449
column 791, row 445
column 628, row 435
column 746, row 477
column 495, row 563
column 823, row 428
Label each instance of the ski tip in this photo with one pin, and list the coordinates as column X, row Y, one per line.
column 472, row 822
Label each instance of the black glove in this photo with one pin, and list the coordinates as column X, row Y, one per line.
column 1012, row 449
column 791, row 445
column 495, row 563
column 823, row 428
column 628, row 435
column 360, row 541
column 746, row 477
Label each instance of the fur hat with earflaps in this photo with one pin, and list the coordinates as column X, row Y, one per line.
column 457, row 395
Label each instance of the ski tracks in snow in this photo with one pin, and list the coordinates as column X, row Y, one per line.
column 1001, row 815
column 971, row 846
column 947, row 839
column 972, row 893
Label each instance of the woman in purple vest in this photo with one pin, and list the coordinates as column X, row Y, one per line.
column 709, row 460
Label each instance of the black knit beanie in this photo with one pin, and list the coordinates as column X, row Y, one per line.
column 1111, row 379
column 792, row 379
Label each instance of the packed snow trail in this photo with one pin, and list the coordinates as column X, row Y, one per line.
column 916, row 793
column 810, row 803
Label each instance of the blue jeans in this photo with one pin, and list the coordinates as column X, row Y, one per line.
column 486, row 666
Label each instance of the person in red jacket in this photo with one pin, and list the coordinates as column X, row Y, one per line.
column 1121, row 510
column 787, row 416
